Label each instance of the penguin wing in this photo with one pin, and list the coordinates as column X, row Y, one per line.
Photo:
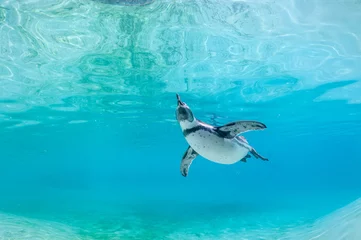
column 187, row 159
column 232, row 129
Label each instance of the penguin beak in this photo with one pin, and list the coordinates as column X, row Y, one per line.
column 180, row 103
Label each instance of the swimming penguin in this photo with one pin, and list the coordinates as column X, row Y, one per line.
column 220, row 144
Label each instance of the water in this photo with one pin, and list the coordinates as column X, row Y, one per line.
column 90, row 148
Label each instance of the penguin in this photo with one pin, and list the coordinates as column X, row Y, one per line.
column 219, row 144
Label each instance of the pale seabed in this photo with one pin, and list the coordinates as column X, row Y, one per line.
column 343, row 224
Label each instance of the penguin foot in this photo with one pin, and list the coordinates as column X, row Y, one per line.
column 245, row 158
column 257, row 155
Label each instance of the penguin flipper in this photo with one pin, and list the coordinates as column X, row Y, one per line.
column 187, row 159
column 231, row 130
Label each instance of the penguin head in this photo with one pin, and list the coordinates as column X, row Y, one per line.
column 183, row 112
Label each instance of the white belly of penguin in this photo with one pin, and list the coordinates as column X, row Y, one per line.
column 216, row 149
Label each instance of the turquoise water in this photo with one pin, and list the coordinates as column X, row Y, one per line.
column 91, row 149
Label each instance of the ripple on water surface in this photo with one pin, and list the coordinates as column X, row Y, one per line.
column 127, row 2
column 176, row 46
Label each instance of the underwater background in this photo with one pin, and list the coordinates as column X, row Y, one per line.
column 91, row 149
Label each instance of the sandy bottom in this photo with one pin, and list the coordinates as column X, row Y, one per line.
column 342, row 224
column 17, row 227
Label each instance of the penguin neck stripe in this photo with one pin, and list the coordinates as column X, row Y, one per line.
column 188, row 131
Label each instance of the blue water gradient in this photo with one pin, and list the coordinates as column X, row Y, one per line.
column 90, row 147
